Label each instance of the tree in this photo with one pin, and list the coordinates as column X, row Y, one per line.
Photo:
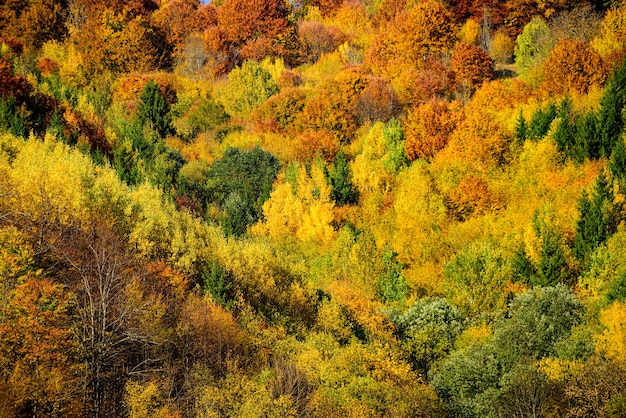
column 572, row 66
column 427, row 128
column 343, row 191
column 471, row 66
column 597, row 220
column 611, row 119
column 240, row 183
column 425, row 30
column 318, row 39
column 248, row 87
column 154, row 109
column 532, row 45
column 428, row 331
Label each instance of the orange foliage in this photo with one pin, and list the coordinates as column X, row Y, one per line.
column 243, row 20
column 573, row 66
column 317, row 39
column 178, row 19
column 220, row 51
column 472, row 197
column 427, row 128
column 434, row 80
column 46, row 66
column 377, row 101
column 425, row 30
column 471, row 65
column 313, row 144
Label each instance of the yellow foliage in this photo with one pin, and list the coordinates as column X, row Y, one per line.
column 558, row 370
column 470, row 32
column 612, row 38
column 368, row 171
column 420, row 216
column 473, row 335
column 145, row 401
column 612, row 342
column 305, row 213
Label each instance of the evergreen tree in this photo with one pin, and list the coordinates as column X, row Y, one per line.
column 617, row 163
column 611, row 113
column 343, row 191
column 541, row 120
column 521, row 128
column 586, row 144
column 155, row 109
column 597, row 219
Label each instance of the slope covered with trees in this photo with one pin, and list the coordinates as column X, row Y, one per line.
column 375, row 208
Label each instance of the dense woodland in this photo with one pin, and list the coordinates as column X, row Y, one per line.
column 320, row 208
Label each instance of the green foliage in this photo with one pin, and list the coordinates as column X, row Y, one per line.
column 490, row 378
column 343, row 191
column 248, row 87
column 428, row 331
column 10, row 119
column 392, row 285
column 217, row 282
column 536, row 321
column 154, row 109
column 475, row 279
column 552, row 267
column 395, row 159
column 532, row 45
column 617, row 289
column 521, row 128
column 240, row 182
column 597, row 220
column 541, row 120
column 611, row 119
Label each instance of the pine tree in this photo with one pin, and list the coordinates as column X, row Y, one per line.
column 521, row 128
column 597, row 220
column 343, row 191
column 541, row 120
column 610, row 115
column 155, row 109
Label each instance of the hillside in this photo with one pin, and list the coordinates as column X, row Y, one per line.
column 315, row 208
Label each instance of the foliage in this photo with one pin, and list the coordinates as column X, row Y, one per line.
column 572, row 67
column 248, row 87
column 471, row 65
column 240, row 182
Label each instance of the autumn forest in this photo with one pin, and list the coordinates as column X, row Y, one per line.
column 313, row 208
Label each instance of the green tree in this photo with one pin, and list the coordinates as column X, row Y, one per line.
column 155, row 109
column 391, row 285
column 343, row 191
column 541, row 120
column 611, row 113
column 532, row 45
column 521, row 128
column 239, row 183
column 597, row 220
column 428, row 331
column 249, row 86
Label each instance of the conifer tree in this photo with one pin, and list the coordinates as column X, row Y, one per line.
column 597, row 219
column 611, row 113
column 155, row 109
column 521, row 128
column 343, row 191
